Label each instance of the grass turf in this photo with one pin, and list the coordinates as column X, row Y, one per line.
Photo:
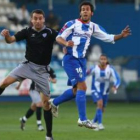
column 121, row 121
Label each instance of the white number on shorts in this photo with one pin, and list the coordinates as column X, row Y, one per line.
column 79, row 70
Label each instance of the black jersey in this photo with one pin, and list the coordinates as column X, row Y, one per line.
column 39, row 45
column 52, row 75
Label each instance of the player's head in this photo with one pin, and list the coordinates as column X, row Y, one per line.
column 103, row 60
column 38, row 19
column 86, row 11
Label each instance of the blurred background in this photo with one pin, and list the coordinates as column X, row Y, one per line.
column 113, row 15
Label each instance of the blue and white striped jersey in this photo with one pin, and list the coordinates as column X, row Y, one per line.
column 80, row 33
column 101, row 78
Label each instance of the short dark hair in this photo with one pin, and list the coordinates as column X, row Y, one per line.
column 38, row 11
column 106, row 57
column 86, row 3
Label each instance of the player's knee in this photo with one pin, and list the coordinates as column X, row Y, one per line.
column 82, row 86
column 46, row 105
column 33, row 107
column 39, row 104
column 100, row 104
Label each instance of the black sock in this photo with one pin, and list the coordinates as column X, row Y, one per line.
column 1, row 90
column 48, row 120
column 38, row 113
column 29, row 113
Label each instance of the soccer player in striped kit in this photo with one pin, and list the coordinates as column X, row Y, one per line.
column 101, row 79
column 75, row 36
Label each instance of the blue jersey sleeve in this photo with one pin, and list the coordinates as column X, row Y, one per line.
column 116, row 78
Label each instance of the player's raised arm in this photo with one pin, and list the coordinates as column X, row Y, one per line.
column 125, row 33
column 8, row 38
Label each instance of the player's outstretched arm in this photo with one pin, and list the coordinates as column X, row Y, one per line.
column 125, row 33
column 9, row 39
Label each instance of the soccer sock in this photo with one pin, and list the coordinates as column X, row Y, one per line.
column 99, row 115
column 38, row 122
column 48, row 121
column 24, row 119
column 1, row 90
column 29, row 113
column 66, row 96
column 81, row 104
column 95, row 118
column 38, row 113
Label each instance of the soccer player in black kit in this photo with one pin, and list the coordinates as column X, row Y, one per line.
column 39, row 45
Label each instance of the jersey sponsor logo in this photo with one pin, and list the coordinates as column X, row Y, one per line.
column 85, row 35
column 44, row 35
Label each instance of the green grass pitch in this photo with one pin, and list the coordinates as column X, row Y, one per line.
column 121, row 121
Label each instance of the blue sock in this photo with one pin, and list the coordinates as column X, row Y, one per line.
column 66, row 96
column 95, row 118
column 81, row 104
column 99, row 115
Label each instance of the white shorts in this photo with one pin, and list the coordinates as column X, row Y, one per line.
column 35, row 96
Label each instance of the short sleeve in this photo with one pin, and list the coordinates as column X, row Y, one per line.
column 54, row 34
column 21, row 35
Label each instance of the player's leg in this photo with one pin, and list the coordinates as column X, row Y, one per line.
column 81, row 100
column 99, row 110
column 18, row 74
column 47, row 116
column 6, row 82
column 66, row 96
column 36, row 99
column 105, row 99
column 27, row 115
column 81, row 105
column 39, row 115
column 41, row 80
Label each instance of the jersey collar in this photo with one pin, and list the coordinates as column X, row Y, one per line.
column 40, row 30
column 79, row 19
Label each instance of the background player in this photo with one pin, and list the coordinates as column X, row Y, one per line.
column 101, row 78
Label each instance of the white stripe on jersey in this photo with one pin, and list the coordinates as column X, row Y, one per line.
column 80, row 33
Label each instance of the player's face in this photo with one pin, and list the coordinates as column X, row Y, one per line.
column 86, row 13
column 38, row 21
column 103, row 60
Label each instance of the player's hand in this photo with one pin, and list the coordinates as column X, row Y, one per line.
column 70, row 43
column 126, row 31
column 5, row 33
column 114, row 90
